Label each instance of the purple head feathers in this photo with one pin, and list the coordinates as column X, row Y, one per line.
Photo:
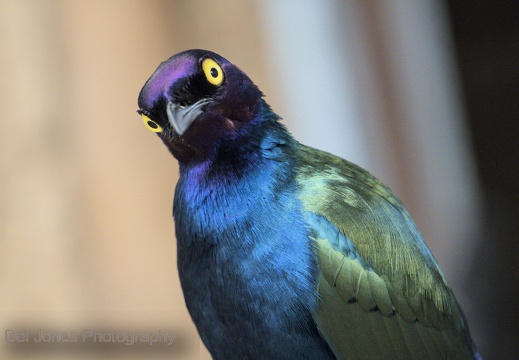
column 195, row 100
column 176, row 67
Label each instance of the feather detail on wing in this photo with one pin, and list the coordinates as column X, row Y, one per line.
column 382, row 293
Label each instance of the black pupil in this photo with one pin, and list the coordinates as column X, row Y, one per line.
column 152, row 125
column 214, row 72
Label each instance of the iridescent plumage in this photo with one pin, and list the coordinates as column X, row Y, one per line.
column 284, row 251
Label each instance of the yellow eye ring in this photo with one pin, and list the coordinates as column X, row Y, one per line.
column 151, row 125
column 213, row 72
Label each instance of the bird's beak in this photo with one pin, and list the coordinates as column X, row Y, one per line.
column 181, row 117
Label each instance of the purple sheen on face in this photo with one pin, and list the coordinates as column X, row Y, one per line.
column 167, row 73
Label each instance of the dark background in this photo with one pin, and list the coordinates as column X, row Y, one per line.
column 486, row 36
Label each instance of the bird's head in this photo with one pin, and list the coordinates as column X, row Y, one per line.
column 196, row 100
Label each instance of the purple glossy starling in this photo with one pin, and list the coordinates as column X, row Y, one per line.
column 285, row 251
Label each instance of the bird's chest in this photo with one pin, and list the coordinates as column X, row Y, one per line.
column 250, row 304
column 245, row 259
column 242, row 293
column 247, row 272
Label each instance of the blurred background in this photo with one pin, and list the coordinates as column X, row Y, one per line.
column 424, row 94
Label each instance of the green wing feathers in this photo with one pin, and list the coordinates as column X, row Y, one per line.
column 382, row 292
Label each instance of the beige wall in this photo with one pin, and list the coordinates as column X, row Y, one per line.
column 86, row 192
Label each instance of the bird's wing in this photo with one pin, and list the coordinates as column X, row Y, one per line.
column 382, row 294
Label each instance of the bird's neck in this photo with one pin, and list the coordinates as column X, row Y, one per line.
column 259, row 144
column 222, row 190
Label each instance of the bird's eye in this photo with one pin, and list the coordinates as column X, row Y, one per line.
column 151, row 125
column 213, row 72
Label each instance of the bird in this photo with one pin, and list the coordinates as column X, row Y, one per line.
column 285, row 251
